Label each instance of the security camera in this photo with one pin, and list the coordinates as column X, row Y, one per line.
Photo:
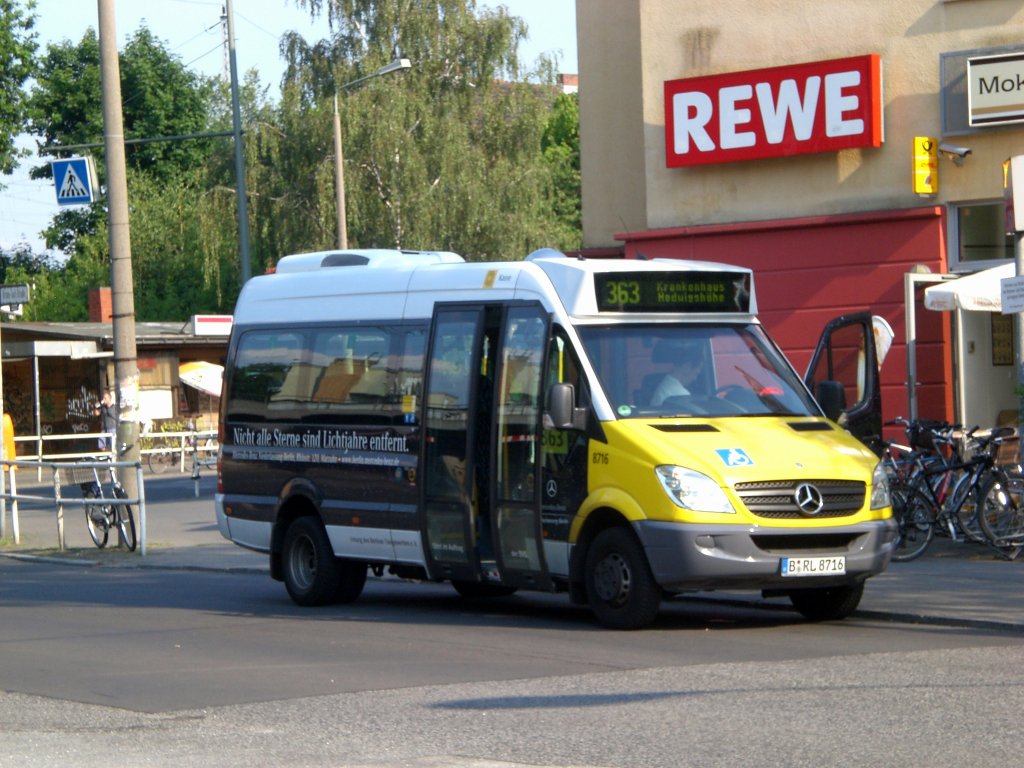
column 953, row 152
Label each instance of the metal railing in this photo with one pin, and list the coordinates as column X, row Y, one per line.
column 9, row 493
column 191, row 448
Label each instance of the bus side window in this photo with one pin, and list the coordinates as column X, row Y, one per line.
column 563, row 365
column 407, row 369
column 337, row 368
column 351, row 366
column 268, row 371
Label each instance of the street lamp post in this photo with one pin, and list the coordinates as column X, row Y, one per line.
column 397, row 65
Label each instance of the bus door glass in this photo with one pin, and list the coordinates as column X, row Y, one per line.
column 517, row 479
column 482, row 449
column 843, row 376
column 448, row 505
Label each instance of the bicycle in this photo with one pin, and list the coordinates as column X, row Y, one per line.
column 943, row 490
column 904, row 466
column 107, row 513
column 162, row 454
column 1001, row 515
column 910, row 508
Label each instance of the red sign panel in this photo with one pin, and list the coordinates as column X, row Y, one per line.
column 821, row 106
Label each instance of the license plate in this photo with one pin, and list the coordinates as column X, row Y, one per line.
column 813, row 566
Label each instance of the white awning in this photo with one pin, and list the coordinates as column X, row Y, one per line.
column 979, row 292
column 206, row 377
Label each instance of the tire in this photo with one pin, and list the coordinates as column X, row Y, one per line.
column 967, row 515
column 827, row 603
column 1001, row 516
column 915, row 522
column 125, row 521
column 620, row 588
column 477, row 590
column 312, row 574
column 353, row 579
column 97, row 521
column 159, row 463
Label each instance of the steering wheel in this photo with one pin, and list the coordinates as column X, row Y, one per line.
column 725, row 389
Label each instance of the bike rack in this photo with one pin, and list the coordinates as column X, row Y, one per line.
column 8, row 479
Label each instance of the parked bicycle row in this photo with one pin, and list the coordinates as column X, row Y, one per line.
column 949, row 481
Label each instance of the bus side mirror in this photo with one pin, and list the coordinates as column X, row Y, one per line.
column 562, row 411
column 831, row 398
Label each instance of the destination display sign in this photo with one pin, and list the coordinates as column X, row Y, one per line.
column 672, row 292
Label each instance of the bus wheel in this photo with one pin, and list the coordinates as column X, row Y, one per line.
column 476, row 590
column 827, row 603
column 352, row 579
column 312, row 575
column 620, row 588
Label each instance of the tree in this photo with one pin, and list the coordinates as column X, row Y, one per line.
column 17, row 61
column 22, row 263
column 467, row 152
column 449, row 155
column 160, row 96
column 561, row 147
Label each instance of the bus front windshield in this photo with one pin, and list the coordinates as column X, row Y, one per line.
column 694, row 370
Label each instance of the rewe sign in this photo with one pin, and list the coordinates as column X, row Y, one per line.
column 821, row 106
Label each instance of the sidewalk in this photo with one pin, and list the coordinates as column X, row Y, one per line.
column 967, row 584
column 956, row 584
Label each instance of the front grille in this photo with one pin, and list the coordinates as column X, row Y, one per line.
column 774, row 498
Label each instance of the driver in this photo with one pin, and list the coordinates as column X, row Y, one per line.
column 686, row 367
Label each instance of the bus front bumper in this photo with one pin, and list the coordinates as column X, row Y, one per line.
column 691, row 558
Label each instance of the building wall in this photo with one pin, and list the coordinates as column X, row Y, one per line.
column 612, row 131
column 817, row 228
column 807, row 271
column 629, row 48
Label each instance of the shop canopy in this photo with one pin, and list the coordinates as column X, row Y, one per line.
column 979, row 292
column 206, row 377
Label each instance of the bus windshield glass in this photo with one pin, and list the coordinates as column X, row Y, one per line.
column 694, row 370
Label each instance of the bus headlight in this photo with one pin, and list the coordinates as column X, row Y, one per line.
column 880, row 488
column 692, row 490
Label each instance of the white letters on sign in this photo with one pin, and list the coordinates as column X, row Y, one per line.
column 817, row 107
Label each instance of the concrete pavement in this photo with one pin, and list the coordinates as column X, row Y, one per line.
column 957, row 584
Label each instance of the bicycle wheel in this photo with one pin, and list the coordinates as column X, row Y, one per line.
column 1001, row 515
column 98, row 523
column 159, row 463
column 915, row 516
column 965, row 502
column 125, row 520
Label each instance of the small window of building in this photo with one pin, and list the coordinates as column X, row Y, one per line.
column 978, row 236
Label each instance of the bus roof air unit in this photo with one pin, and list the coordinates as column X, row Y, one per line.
column 370, row 257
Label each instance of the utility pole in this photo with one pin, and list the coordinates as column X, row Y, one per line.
column 126, row 368
column 236, row 117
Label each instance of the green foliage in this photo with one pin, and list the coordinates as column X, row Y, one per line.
column 21, row 262
column 60, row 293
column 561, row 147
column 17, row 61
column 448, row 155
column 64, row 105
column 468, row 151
column 160, row 98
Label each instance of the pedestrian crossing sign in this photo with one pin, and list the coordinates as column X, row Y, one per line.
column 75, row 180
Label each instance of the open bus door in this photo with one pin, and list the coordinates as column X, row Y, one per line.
column 843, row 376
column 483, row 401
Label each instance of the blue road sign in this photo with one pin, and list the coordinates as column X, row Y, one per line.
column 74, row 179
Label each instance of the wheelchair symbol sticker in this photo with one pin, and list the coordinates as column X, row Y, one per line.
column 734, row 457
